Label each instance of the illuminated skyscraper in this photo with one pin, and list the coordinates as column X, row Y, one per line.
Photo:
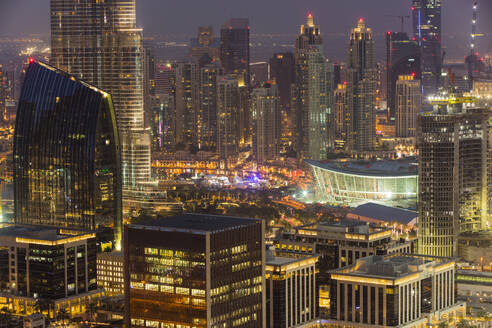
column 453, row 178
column 162, row 124
column 313, row 112
column 266, row 122
column 227, row 118
column 426, row 16
column 98, row 42
column 402, row 58
column 234, row 48
column 207, row 117
column 361, row 89
column 340, row 107
column 66, row 154
column 187, row 99
column 408, row 106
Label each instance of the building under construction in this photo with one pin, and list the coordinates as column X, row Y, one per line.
column 454, row 173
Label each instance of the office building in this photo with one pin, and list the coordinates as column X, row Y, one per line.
column 266, row 122
column 396, row 290
column 291, row 291
column 66, row 154
column 402, row 58
column 162, row 123
column 110, row 273
column 234, row 49
column 227, row 118
column 426, row 17
column 313, row 94
column 99, row 42
column 149, row 80
column 361, row 89
column 340, row 108
column 195, row 271
column 207, row 115
column 454, row 178
column 337, row 244
column 245, row 129
column 205, row 44
column 48, row 263
column 164, row 79
column 187, row 98
column 408, row 105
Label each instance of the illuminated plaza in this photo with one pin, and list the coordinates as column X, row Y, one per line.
column 393, row 183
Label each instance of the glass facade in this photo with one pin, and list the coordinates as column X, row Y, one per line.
column 176, row 278
column 351, row 187
column 66, row 154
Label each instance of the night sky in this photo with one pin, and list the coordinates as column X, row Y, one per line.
column 181, row 17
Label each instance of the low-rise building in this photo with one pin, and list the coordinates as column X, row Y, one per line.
column 51, row 265
column 395, row 290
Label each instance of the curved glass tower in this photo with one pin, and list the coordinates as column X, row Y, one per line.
column 66, row 154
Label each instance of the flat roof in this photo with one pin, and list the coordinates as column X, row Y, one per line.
column 198, row 222
column 380, row 168
column 44, row 233
column 385, row 213
column 393, row 267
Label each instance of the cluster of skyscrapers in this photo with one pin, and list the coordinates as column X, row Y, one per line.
column 86, row 126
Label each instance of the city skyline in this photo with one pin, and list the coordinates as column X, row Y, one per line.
column 456, row 14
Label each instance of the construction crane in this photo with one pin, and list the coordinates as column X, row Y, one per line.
column 402, row 20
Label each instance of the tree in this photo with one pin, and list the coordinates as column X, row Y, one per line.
column 63, row 315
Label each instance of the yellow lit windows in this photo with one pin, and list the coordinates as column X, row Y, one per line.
column 182, row 291
column 167, row 289
column 151, row 251
column 198, row 292
column 152, row 287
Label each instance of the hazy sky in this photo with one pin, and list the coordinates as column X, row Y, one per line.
column 276, row 16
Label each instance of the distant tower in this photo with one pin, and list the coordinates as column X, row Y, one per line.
column 340, row 108
column 282, row 71
column 187, row 99
column 227, row 118
column 207, row 117
column 402, row 58
column 234, row 48
column 265, row 108
column 361, row 89
column 426, row 15
column 408, row 105
column 205, row 44
column 313, row 94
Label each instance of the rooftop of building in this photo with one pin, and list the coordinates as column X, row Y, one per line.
column 197, row 223
column 385, row 213
column 381, row 168
column 351, row 226
column 393, row 267
column 43, row 233
column 285, row 262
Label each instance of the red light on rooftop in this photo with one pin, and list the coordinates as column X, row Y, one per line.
column 361, row 20
column 31, row 60
column 310, row 15
column 413, row 74
column 413, row 8
column 388, row 32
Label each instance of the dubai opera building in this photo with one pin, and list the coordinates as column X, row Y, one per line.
column 392, row 183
